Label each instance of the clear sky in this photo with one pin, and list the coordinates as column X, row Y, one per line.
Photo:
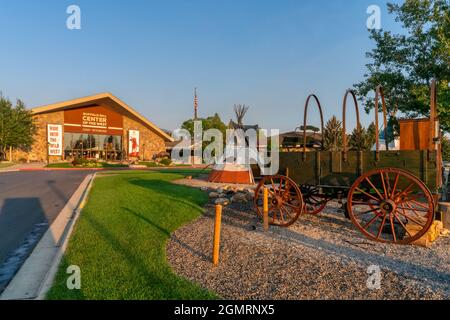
column 266, row 54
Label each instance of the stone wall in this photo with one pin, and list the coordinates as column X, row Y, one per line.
column 39, row 149
column 150, row 143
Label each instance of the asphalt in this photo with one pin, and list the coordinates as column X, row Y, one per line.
column 29, row 203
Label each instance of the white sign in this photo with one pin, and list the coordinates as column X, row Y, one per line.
column 54, row 138
column 133, row 143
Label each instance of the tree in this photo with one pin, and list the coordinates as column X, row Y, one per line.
column 371, row 135
column 332, row 135
column 213, row 122
column 17, row 127
column 446, row 149
column 362, row 140
column 404, row 64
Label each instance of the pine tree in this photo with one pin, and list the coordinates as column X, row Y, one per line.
column 332, row 135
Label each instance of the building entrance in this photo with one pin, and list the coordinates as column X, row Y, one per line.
column 93, row 146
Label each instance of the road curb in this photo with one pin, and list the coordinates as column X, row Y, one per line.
column 36, row 275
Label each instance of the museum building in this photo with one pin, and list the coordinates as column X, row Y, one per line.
column 98, row 127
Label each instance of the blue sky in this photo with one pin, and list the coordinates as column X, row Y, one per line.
column 266, row 54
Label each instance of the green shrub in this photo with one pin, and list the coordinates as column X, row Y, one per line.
column 166, row 162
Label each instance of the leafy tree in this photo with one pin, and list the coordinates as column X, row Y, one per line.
column 404, row 64
column 17, row 127
column 332, row 135
column 213, row 122
column 445, row 149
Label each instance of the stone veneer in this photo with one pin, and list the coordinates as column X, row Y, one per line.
column 154, row 143
column 39, row 149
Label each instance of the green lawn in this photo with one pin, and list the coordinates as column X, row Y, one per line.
column 120, row 239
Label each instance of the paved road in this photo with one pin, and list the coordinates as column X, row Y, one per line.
column 29, row 203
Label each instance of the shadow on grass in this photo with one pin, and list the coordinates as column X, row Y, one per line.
column 168, row 288
column 167, row 233
column 148, row 221
column 188, row 196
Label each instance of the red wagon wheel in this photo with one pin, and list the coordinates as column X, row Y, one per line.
column 315, row 202
column 391, row 205
column 285, row 200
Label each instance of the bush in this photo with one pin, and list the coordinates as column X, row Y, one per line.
column 80, row 162
column 77, row 162
column 166, row 162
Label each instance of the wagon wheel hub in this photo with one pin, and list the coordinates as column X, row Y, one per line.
column 388, row 206
column 277, row 202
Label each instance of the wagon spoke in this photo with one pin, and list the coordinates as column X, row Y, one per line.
column 368, row 224
column 405, row 192
column 388, row 184
column 273, row 186
column 367, row 194
column 414, row 197
column 381, row 226
column 402, row 224
column 281, row 214
column 366, row 212
column 375, row 188
column 393, row 228
column 384, row 185
column 272, row 192
column 410, row 218
column 291, row 205
column 364, row 203
column 419, row 204
column 415, row 210
column 409, row 208
column 395, row 186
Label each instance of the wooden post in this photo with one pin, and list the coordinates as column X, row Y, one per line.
column 217, row 226
column 266, row 210
column 287, row 172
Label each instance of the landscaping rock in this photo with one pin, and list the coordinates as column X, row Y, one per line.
column 204, row 189
column 222, row 201
column 239, row 197
column 214, row 195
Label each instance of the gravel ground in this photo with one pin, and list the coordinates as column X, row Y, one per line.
column 319, row 257
column 202, row 181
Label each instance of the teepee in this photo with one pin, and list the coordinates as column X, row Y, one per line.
column 227, row 169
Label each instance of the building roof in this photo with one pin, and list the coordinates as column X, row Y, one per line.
column 236, row 126
column 295, row 139
column 75, row 103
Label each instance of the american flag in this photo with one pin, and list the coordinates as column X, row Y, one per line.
column 195, row 104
